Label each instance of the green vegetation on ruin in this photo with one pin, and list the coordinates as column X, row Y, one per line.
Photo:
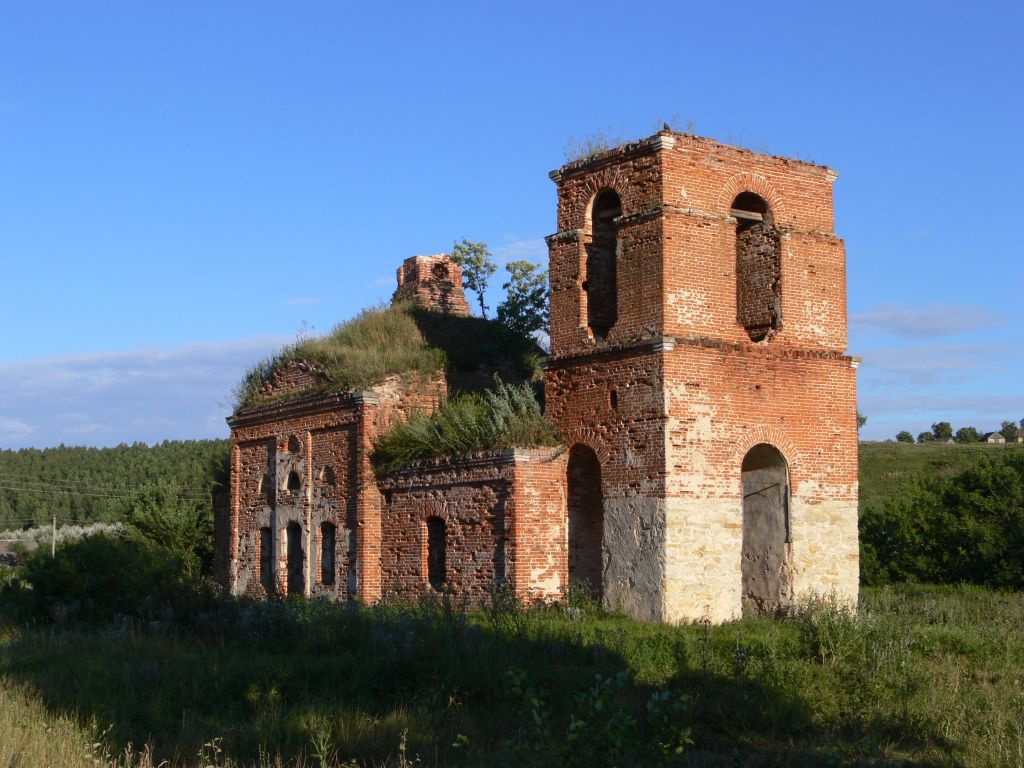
column 502, row 416
column 400, row 339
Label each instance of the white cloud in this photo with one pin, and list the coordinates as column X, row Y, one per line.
column 532, row 249
column 105, row 398
column 931, row 321
column 923, row 363
column 13, row 429
column 915, row 386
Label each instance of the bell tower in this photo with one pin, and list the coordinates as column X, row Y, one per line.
column 698, row 369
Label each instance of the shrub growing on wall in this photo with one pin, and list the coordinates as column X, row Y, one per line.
column 505, row 416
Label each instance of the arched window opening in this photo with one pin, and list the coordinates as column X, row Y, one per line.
column 766, row 573
column 296, row 560
column 294, row 484
column 266, row 488
column 758, row 267
column 328, row 535
column 600, row 288
column 437, row 565
column 267, row 560
column 586, row 521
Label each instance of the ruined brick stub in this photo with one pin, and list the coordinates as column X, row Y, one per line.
column 433, row 283
column 688, row 368
column 295, row 376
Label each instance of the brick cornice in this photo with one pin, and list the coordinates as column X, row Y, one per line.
column 415, row 472
column 670, row 343
column 303, row 406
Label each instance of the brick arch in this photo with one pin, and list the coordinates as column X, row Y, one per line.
column 433, row 508
column 774, row 437
column 751, row 182
column 589, row 438
column 606, row 178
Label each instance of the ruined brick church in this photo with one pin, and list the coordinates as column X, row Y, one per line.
column 697, row 371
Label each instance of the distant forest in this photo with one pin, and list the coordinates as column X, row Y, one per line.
column 86, row 485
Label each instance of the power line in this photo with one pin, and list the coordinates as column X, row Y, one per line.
column 31, row 479
column 73, row 493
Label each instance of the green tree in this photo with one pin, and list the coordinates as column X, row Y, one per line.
column 925, row 437
column 943, row 430
column 525, row 308
column 967, row 435
column 161, row 514
column 1009, row 431
column 861, row 419
column 904, row 437
column 477, row 267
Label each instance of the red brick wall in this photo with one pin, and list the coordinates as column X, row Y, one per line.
column 692, row 389
column 332, row 436
column 432, row 282
column 504, row 519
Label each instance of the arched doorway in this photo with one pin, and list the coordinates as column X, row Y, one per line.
column 766, row 579
column 586, row 520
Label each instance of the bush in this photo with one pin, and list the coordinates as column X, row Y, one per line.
column 503, row 417
column 99, row 576
column 966, row 526
column 162, row 515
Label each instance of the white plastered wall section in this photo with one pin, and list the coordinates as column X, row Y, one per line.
column 825, row 550
column 704, row 522
column 703, row 515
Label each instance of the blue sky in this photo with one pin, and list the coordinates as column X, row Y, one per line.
column 185, row 186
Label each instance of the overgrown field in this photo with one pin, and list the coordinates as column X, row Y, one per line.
column 942, row 514
column 923, row 676
column 890, row 470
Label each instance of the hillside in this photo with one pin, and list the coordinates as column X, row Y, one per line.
column 85, row 485
column 890, row 469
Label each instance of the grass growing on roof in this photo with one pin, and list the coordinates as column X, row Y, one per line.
column 506, row 416
column 398, row 338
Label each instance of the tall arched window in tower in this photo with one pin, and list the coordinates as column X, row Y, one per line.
column 586, row 520
column 758, row 267
column 599, row 279
column 766, row 577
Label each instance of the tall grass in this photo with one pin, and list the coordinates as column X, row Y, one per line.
column 505, row 416
column 376, row 343
column 919, row 676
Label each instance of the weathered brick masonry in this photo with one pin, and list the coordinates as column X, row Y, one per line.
column 697, row 371
column 503, row 519
column 676, row 394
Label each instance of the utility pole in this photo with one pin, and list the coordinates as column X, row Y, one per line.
column 53, row 536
